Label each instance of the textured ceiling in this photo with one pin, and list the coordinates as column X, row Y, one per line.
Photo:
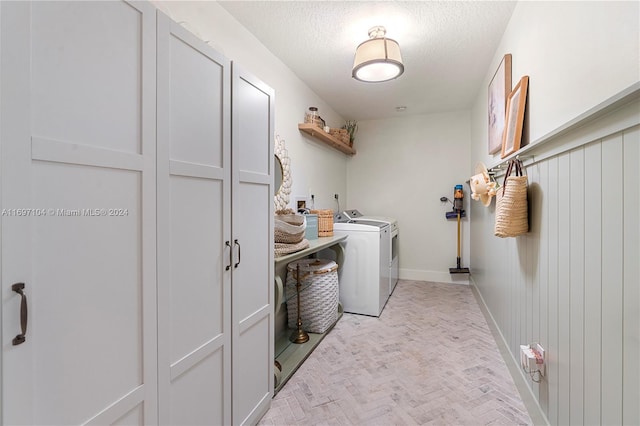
column 447, row 47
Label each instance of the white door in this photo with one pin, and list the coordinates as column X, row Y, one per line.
column 78, row 147
column 253, row 289
column 194, row 229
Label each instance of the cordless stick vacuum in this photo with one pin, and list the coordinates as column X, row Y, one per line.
column 457, row 208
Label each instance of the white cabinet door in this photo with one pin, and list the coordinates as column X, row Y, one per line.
column 194, row 223
column 253, row 292
column 78, row 147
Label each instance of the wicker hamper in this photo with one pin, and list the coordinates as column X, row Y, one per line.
column 318, row 294
column 325, row 222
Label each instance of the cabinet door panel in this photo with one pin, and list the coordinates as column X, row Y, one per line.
column 253, row 213
column 197, row 98
column 86, row 73
column 254, row 126
column 253, row 290
column 256, row 360
column 78, row 144
column 206, row 378
column 194, row 222
column 197, row 262
column 82, row 301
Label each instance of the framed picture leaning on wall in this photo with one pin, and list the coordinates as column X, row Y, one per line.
column 499, row 89
column 515, row 117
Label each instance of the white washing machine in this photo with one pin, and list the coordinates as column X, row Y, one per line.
column 394, row 264
column 364, row 274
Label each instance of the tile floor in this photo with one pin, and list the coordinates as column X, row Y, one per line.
column 430, row 359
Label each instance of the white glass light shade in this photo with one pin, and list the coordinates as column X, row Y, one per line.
column 377, row 60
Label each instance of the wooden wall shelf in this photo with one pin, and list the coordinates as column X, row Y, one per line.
column 325, row 137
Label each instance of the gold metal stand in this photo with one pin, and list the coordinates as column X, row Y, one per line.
column 299, row 336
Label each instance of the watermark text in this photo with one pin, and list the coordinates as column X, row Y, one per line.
column 58, row 212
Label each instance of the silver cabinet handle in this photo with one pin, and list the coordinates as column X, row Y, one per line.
column 239, row 249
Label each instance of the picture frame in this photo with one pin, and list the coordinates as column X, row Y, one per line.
column 514, row 120
column 499, row 89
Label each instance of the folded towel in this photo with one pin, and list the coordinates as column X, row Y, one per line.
column 281, row 249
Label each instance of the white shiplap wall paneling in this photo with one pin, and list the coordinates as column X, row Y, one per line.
column 631, row 286
column 572, row 282
column 552, row 300
column 576, row 276
column 612, row 255
column 592, row 281
column 564, row 293
column 543, row 272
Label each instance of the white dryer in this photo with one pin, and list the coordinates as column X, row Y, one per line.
column 364, row 274
column 394, row 263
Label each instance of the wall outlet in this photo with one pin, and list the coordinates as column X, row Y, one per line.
column 301, row 203
column 525, row 355
column 532, row 358
column 543, row 359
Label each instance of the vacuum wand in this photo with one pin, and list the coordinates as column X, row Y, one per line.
column 457, row 207
column 458, row 258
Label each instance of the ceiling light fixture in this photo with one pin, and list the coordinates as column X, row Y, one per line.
column 377, row 59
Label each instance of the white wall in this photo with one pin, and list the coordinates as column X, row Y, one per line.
column 314, row 166
column 576, row 55
column 572, row 282
column 402, row 168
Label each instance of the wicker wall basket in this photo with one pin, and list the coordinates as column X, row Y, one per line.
column 342, row 135
column 325, row 222
column 318, row 294
column 512, row 217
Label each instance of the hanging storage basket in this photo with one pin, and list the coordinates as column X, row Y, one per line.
column 318, row 294
column 511, row 203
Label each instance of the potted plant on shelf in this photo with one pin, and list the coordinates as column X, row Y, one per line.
column 351, row 126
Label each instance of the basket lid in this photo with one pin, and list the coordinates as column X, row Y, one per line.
column 314, row 266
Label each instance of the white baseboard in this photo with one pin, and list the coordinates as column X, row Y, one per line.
column 433, row 276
